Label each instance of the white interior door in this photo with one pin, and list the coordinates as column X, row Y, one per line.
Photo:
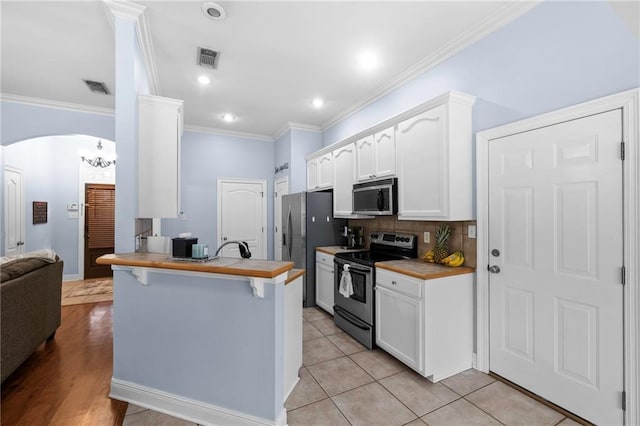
column 281, row 188
column 13, row 212
column 242, row 216
column 555, row 233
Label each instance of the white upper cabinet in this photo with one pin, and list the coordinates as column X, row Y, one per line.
column 159, row 137
column 434, row 162
column 320, row 172
column 343, row 177
column 376, row 155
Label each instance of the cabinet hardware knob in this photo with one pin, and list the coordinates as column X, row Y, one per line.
column 394, row 283
column 494, row 269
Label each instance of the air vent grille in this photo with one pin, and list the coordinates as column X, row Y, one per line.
column 97, row 87
column 208, row 58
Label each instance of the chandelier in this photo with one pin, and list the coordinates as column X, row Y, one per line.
column 98, row 161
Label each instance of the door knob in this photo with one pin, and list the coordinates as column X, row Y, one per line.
column 224, row 238
column 494, row 269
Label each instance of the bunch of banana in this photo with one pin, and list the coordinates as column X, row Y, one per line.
column 428, row 256
column 455, row 259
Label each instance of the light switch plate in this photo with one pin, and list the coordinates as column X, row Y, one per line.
column 427, row 236
column 471, row 233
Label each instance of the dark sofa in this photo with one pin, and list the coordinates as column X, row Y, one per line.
column 30, row 293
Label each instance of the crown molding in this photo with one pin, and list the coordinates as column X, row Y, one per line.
column 290, row 125
column 223, row 132
column 48, row 103
column 508, row 13
column 136, row 13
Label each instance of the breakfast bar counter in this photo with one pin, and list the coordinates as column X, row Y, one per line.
column 221, row 265
column 215, row 342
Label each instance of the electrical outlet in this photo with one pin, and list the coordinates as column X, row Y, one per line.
column 427, row 237
column 471, row 233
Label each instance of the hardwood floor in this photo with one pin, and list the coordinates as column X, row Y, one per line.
column 66, row 381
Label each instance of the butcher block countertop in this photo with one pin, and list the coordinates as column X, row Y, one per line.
column 293, row 275
column 423, row 270
column 333, row 250
column 223, row 265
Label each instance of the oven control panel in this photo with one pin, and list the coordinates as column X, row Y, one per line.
column 393, row 239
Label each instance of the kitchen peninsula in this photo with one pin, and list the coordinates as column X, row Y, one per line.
column 217, row 342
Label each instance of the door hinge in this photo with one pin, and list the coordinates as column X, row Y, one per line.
column 262, row 194
column 623, row 275
column 622, row 150
column 275, row 195
column 624, row 400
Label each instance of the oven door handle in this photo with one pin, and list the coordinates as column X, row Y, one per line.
column 351, row 319
column 356, row 268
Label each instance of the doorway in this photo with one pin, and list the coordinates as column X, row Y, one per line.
column 13, row 212
column 281, row 188
column 242, row 216
column 563, row 301
column 99, row 228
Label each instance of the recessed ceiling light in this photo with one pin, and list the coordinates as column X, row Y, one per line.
column 318, row 103
column 213, row 11
column 228, row 117
column 203, row 79
column 368, row 61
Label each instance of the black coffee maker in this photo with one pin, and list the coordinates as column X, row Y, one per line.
column 355, row 237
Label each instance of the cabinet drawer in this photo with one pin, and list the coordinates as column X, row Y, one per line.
column 324, row 258
column 400, row 283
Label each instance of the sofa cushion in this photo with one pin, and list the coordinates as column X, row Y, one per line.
column 20, row 266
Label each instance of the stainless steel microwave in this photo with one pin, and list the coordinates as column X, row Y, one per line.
column 378, row 197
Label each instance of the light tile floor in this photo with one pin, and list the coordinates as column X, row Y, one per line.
column 342, row 383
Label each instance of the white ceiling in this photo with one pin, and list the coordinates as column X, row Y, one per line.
column 275, row 56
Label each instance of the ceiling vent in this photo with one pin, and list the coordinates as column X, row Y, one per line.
column 97, row 87
column 208, row 58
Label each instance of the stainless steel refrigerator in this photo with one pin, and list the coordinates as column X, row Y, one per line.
column 307, row 222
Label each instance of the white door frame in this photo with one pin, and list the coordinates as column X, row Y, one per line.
column 628, row 102
column 263, row 182
column 22, row 207
column 283, row 179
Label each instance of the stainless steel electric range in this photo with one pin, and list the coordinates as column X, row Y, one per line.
column 355, row 314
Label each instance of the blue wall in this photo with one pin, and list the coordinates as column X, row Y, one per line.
column 558, row 54
column 282, row 153
column 21, row 122
column 303, row 143
column 207, row 157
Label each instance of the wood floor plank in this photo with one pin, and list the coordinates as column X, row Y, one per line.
column 67, row 381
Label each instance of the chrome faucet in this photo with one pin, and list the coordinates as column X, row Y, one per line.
column 242, row 245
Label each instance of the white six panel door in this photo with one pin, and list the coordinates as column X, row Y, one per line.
column 555, row 219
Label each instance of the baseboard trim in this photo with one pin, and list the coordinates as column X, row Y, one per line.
column 185, row 408
column 72, row 277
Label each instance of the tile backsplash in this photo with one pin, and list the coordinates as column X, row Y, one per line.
column 459, row 239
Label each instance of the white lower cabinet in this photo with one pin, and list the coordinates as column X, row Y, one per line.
column 399, row 321
column 324, row 281
column 426, row 324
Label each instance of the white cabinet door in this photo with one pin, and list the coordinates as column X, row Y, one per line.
column 385, row 149
column 366, row 162
column 325, row 171
column 399, row 326
column 422, row 176
column 343, row 178
column 159, row 135
column 324, row 281
column 320, row 172
column 312, row 174
column 434, row 162
column 376, row 156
